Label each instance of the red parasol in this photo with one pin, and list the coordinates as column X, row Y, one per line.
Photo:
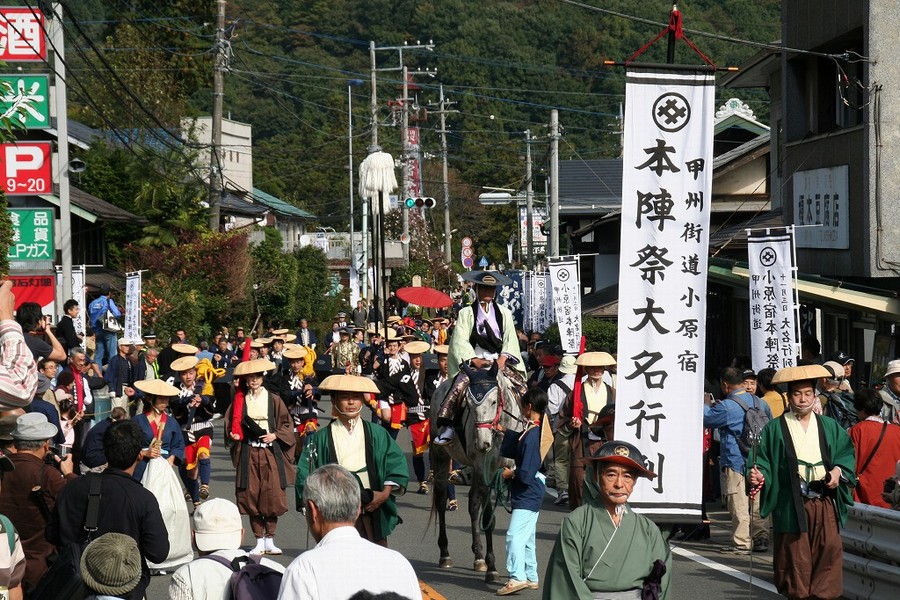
column 425, row 297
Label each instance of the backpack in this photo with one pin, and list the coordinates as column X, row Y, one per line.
column 755, row 420
column 840, row 408
column 253, row 580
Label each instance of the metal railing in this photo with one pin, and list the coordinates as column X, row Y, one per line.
column 871, row 541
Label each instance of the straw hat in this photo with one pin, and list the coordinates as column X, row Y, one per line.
column 789, row 374
column 295, row 353
column 185, row 348
column 288, row 338
column 349, row 383
column 417, row 347
column 490, row 278
column 256, row 366
column 264, row 341
column 279, row 332
column 255, row 344
column 442, row 349
column 595, row 359
column 394, row 319
column 185, row 363
column 156, row 387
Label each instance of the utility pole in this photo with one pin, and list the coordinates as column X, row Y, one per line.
column 529, row 207
column 444, row 112
column 215, row 151
column 404, row 161
column 62, row 129
column 553, row 249
column 374, row 147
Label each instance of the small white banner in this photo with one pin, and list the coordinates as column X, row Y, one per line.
column 354, row 286
column 77, row 295
column 773, row 342
column 666, row 195
column 133, row 312
column 564, row 282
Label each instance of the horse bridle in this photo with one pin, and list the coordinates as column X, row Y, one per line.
column 492, row 423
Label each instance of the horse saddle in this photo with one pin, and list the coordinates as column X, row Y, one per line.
column 481, row 382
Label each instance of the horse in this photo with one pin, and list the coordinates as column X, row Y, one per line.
column 489, row 400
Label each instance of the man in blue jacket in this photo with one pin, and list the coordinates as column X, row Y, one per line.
column 106, row 340
column 727, row 416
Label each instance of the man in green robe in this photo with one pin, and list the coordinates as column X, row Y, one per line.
column 604, row 550
column 804, row 473
column 363, row 448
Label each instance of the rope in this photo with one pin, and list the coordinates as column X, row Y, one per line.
column 498, row 491
column 675, row 26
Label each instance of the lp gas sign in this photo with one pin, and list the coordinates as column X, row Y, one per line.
column 32, row 234
column 25, row 168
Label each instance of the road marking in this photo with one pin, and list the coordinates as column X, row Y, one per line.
column 428, row 592
column 727, row 570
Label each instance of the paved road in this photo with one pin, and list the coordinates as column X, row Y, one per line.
column 700, row 572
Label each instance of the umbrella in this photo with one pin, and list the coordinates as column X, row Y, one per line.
column 425, row 296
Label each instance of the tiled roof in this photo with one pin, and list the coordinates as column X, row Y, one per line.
column 280, row 205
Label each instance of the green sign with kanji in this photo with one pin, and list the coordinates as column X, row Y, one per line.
column 25, row 100
column 32, row 234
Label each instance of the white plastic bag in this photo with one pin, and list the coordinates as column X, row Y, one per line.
column 160, row 478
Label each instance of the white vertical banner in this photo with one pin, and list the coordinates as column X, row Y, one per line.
column 133, row 309
column 666, row 194
column 354, row 286
column 544, row 302
column 564, row 282
column 773, row 339
column 527, row 318
column 77, row 295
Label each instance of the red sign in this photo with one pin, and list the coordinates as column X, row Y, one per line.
column 22, row 35
column 35, row 288
column 25, row 168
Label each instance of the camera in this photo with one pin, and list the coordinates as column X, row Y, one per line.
column 890, row 485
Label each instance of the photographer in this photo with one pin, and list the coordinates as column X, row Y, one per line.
column 38, row 336
column 29, row 492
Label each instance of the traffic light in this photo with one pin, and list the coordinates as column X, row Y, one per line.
column 420, row 202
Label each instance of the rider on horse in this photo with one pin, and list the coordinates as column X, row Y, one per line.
column 485, row 333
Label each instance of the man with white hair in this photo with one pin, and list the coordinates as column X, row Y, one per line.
column 331, row 498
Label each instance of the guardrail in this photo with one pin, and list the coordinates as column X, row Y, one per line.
column 871, row 541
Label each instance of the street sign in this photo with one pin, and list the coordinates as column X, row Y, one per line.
column 467, row 252
column 25, row 168
column 467, row 242
column 468, row 262
column 32, row 234
column 483, row 263
column 25, row 99
column 22, row 35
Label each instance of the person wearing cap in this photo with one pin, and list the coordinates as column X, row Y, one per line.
column 804, row 470
column 150, row 339
column 485, row 333
column 42, row 406
column 890, row 393
column 218, row 532
column 343, row 562
column 559, row 389
column 844, row 359
column 125, row 506
column 750, row 383
column 105, row 340
column 584, row 432
column 362, row 447
column 604, row 549
column 193, row 410
column 30, row 491
column 749, row 533
column 345, row 354
column 298, row 391
column 110, row 567
column 119, row 374
column 261, row 453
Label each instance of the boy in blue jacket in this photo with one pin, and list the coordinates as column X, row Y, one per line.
column 526, row 494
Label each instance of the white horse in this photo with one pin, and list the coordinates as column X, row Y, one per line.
column 489, row 401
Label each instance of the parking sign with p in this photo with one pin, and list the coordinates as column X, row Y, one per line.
column 26, row 168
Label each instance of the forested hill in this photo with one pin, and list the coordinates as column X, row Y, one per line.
column 504, row 63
